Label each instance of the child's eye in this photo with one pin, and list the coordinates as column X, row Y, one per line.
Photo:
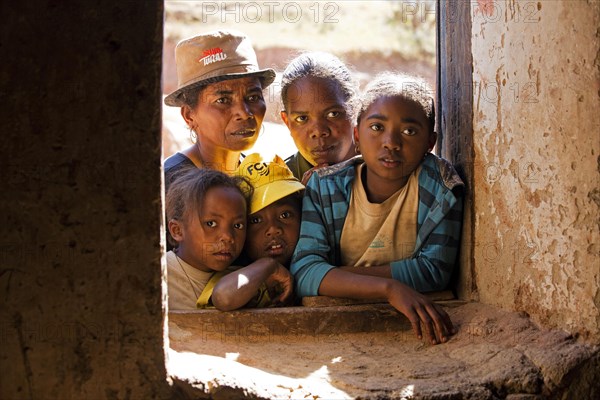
column 211, row 224
column 376, row 127
column 223, row 100
column 239, row 226
column 301, row 119
column 285, row 214
column 334, row 114
column 254, row 220
column 409, row 132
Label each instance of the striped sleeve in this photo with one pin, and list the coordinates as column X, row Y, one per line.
column 310, row 262
column 438, row 241
column 431, row 267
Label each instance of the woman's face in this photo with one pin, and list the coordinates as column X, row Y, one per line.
column 228, row 114
column 316, row 116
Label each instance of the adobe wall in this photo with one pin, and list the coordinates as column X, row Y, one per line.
column 80, row 310
column 537, row 159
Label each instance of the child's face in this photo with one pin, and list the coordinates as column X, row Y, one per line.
column 273, row 231
column 317, row 121
column 215, row 239
column 229, row 114
column 394, row 135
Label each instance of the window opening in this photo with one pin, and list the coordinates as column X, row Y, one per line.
column 370, row 36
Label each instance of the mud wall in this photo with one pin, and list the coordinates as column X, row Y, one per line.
column 80, row 306
column 536, row 81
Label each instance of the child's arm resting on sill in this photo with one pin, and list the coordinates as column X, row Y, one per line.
column 236, row 289
column 421, row 312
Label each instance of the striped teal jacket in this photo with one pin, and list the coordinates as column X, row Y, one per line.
column 439, row 221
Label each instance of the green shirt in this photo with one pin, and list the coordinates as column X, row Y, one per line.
column 298, row 165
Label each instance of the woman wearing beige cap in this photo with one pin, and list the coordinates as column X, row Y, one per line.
column 220, row 94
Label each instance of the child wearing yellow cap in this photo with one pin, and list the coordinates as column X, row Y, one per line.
column 275, row 209
column 207, row 219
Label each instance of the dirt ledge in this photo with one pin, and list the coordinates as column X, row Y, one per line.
column 495, row 355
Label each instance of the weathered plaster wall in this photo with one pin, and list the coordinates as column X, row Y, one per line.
column 537, row 159
column 80, row 304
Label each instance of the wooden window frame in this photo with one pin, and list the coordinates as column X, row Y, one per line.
column 455, row 119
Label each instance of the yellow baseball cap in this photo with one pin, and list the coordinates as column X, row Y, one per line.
column 272, row 181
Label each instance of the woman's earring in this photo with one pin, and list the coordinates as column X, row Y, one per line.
column 193, row 135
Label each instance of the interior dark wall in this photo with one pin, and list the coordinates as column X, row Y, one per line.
column 80, row 304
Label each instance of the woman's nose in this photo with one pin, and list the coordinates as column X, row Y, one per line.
column 244, row 111
column 319, row 129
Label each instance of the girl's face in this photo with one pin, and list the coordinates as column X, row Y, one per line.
column 317, row 120
column 212, row 241
column 273, row 231
column 394, row 135
column 228, row 115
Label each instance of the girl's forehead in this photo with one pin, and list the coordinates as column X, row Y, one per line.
column 325, row 86
column 395, row 102
column 311, row 93
column 388, row 99
column 225, row 194
column 221, row 202
column 395, row 108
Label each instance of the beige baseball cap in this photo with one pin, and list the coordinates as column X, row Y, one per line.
column 213, row 57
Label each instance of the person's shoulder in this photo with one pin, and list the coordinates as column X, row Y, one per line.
column 298, row 165
column 171, row 260
column 442, row 171
column 292, row 163
column 342, row 169
column 175, row 166
column 176, row 160
column 292, row 159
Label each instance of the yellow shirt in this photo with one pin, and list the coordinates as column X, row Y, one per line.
column 185, row 283
column 190, row 289
column 376, row 234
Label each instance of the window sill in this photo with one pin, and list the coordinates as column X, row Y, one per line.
column 369, row 351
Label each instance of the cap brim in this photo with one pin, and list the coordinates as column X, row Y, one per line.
column 267, row 76
column 266, row 195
